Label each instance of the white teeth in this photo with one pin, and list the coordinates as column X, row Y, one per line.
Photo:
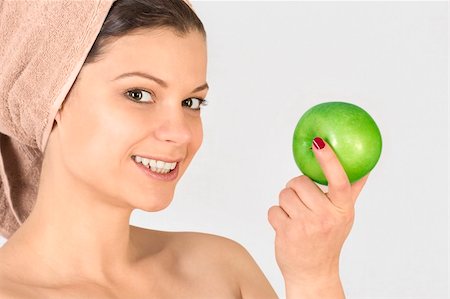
column 145, row 161
column 153, row 163
column 156, row 166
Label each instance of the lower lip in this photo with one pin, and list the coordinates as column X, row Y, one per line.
column 159, row 176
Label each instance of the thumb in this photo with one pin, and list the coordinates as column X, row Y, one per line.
column 339, row 187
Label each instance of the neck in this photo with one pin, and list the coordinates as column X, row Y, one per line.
column 73, row 232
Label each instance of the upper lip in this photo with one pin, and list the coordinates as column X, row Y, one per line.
column 169, row 160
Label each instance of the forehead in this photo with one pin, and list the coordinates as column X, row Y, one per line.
column 162, row 52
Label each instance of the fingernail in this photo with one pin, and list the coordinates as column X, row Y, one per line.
column 318, row 143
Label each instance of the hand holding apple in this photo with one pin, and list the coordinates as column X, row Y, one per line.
column 311, row 227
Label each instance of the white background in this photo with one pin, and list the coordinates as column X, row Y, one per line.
column 271, row 61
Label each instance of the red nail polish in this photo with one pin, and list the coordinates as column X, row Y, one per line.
column 318, row 143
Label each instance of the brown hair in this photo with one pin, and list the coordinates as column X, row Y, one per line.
column 128, row 15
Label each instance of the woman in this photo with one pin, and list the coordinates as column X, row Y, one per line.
column 123, row 138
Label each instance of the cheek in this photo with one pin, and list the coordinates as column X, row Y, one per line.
column 93, row 141
column 198, row 133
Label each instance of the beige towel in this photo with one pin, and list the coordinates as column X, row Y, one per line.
column 43, row 45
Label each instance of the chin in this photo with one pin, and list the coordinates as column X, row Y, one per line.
column 152, row 203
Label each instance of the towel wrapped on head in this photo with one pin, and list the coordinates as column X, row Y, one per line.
column 43, row 45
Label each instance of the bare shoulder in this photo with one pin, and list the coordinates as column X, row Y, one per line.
column 232, row 258
column 216, row 256
column 11, row 289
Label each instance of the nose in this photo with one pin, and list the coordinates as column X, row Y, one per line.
column 174, row 127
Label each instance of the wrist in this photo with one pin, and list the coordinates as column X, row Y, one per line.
column 324, row 287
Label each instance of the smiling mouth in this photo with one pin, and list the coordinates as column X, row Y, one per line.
column 155, row 166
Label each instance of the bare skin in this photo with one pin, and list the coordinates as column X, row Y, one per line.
column 171, row 265
column 77, row 242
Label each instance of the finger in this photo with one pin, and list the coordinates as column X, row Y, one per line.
column 339, row 188
column 292, row 204
column 309, row 193
column 277, row 217
column 357, row 187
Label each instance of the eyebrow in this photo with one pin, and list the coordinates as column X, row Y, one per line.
column 155, row 79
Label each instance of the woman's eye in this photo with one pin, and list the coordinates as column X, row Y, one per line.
column 195, row 103
column 137, row 95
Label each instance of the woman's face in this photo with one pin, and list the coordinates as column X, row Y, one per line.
column 102, row 124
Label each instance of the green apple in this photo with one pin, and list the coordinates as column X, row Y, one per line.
column 348, row 129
